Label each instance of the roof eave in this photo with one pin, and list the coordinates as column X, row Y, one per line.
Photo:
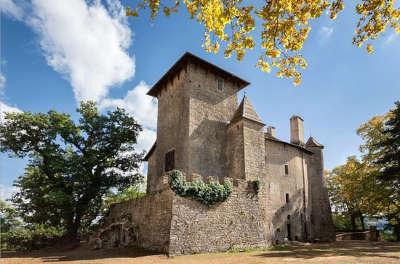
column 183, row 60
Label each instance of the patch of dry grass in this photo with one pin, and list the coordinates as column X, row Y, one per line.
column 338, row 252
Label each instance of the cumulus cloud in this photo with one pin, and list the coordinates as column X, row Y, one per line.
column 2, row 83
column 326, row 32
column 142, row 107
column 7, row 191
column 10, row 8
column 4, row 108
column 86, row 42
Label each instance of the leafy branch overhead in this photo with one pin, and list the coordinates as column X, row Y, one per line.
column 284, row 26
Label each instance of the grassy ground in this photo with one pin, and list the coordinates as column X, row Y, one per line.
column 338, row 252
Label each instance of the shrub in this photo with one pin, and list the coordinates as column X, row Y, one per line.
column 207, row 194
column 30, row 238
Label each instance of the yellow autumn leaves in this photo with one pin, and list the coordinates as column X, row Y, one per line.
column 284, row 26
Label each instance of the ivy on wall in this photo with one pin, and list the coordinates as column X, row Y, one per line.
column 205, row 193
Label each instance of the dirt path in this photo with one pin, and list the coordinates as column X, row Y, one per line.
column 338, row 252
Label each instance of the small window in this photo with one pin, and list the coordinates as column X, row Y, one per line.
column 170, row 160
column 220, row 84
column 286, row 169
column 287, row 198
column 288, row 217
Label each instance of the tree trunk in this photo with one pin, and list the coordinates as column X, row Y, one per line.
column 397, row 231
column 72, row 235
column 353, row 222
column 362, row 222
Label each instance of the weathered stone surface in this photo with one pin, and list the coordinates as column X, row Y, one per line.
column 196, row 118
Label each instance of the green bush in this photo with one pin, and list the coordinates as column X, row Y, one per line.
column 207, row 194
column 31, row 238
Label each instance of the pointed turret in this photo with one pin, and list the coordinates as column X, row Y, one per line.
column 245, row 137
column 246, row 110
column 311, row 142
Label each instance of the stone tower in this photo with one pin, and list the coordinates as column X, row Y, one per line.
column 245, row 148
column 322, row 228
column 196, row 101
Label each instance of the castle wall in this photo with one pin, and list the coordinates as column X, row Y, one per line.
column 235, row 151
column 322, row 227
column 172, row 128
column 278, row 184
column 254, row 150
column 233, row 224
column 152, row 179
column 150, row 218
column 210, row 110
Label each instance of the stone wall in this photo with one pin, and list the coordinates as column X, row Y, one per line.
column 279, row 213
column 172, row 128
column 149, row 219
column 235, row 150
column 322, row 227
column 234, row 224
column 211, row 108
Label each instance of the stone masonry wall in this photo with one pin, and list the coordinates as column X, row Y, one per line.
column 235, row 223
column 279, row 213
column 322, row 227
column 172, row 128
column 211, row 108
column 150, row 219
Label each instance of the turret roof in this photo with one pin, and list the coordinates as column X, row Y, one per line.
column 246, row 110
column 311, row 142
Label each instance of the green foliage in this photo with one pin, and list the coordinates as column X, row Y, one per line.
column 9, row 219
column 72, row 165
column 127, row 194
column 207, row 194
column 342, row 222
column 35, row 237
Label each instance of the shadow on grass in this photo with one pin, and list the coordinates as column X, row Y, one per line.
column 339, row 248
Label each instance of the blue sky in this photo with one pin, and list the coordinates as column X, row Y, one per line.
column 53, row 54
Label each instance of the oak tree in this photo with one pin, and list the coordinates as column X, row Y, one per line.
column 72, row 165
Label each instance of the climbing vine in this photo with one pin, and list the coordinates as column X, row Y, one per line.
column 205, row 193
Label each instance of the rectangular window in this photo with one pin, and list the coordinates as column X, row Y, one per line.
column 170, row 160
column 287, row 198
column 220, row 84
column 286, row 169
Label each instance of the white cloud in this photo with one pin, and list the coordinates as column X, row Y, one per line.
column 326, row 32
column 4, row 108
column 391, row 38
column 85, row 42
column 137, row 103
column 2, row 83
column 143, row 108
column 7, row 191
column 10, row 8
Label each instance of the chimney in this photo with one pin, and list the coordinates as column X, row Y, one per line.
column 271, row 131
column 296, row 130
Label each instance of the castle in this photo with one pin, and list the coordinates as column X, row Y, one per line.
column 203, row 132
